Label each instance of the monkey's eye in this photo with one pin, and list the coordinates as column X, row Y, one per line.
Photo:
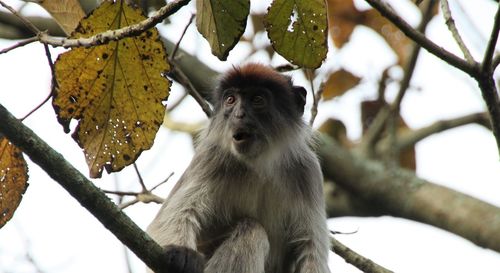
column 258, row 100
column 230, row 100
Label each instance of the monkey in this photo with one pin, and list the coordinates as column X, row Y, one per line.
column 251, row 200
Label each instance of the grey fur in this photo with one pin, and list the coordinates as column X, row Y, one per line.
column 262, row 211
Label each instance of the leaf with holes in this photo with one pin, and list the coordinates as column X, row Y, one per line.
column 114, row 90
column 13, row 179
column 297, row 30
column 222, row 23
column 338, row 83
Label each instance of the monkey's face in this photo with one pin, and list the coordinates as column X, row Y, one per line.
column 248, row 118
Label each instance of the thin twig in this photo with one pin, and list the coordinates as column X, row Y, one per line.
column 172, row 106
column 384, row 115
column 51, row 65
column 162, row 182
column 495, row 63
column 174, row 52
column 121, row 193
column 184, row 80
column 141, row 181
column 316, row 98
column 408, row 30
column 27, row 23
column 490, row 49
column 362, row 263
column 454, row 31
column 116, row 34
column 19, row 44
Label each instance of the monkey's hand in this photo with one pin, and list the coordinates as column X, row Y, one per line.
column 183, row 259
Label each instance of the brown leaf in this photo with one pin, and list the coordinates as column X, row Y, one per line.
column 342, row 19
column 67, row 13
column 13, row 179
column 338, row 83
column 369, row 110
column 394, row 37
column 336, row 129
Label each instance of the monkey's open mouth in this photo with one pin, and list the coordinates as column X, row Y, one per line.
column 241, row 136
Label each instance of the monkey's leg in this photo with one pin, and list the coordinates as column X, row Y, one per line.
column 244, row 251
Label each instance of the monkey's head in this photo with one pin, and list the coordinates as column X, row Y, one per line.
column 256, row 109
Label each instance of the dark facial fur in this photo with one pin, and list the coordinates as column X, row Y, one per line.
column 255, row 106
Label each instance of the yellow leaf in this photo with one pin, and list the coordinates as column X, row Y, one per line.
column 13, row 179
column 67, row 13
column 115, row 90
column 338, row 83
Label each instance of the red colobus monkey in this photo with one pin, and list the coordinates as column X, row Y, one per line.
column 251, row 201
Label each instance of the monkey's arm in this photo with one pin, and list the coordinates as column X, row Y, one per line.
column 310, row 239
column 177, row 222
column 177, row 225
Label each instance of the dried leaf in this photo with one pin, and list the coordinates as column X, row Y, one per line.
column 394, row 37
column 336, row 129
column 13, row 179
column 115, row 90
column 297, row 30
column 222, row 23
column 369, row 110
column 338, row 83
column 67, row 13
column 343, row 18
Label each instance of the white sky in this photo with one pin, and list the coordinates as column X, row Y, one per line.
column 62, row 237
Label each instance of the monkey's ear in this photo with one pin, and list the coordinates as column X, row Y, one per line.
column 300, row 93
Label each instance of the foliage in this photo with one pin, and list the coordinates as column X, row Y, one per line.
column 222, row 23
column 13, row 179
column 115, row 90
column 297, row 30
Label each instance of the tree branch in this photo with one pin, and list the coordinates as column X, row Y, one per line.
column 490, row 49
column 402, row 194
column 117, row 34
column 89, row 196
column 411, row 138
column 454, row 31
column 364, row 264
column 443, row 54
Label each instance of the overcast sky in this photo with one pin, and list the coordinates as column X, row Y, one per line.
column 61, row 236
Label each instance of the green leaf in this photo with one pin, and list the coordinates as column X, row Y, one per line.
column 115, row 90
column 298, row 30
column 222, row 22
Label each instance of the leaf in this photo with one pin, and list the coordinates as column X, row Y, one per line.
column 338, row 83
column 114, row 90
column 13, row 179
column 394, row 37
column 297, row 30
column 67, row 13
column 222, row 23
column 337, row 130
column 343, row 17
column 369, row 110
